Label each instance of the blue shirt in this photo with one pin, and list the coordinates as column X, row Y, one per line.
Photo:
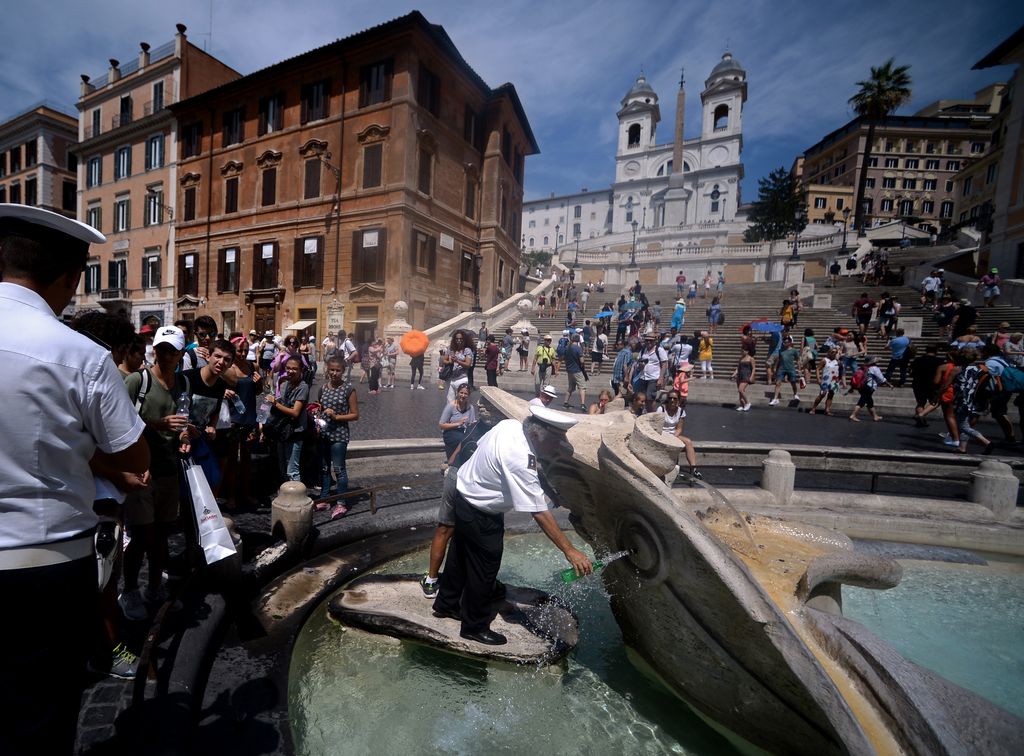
column 622, row 359
column 898, row 345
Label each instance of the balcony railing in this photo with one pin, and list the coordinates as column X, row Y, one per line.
column 114, row 294
column 122, row 119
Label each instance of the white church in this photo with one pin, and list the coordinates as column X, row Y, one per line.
column 675, row 194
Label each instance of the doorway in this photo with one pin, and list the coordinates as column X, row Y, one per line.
column 264, row 318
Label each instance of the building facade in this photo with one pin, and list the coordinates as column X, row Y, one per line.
column 37, row 162
column 127, row 172
column 316, row 193
column 913, row 162
column 690, row 186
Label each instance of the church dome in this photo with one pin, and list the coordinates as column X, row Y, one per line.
column 727, row 68
column 641, row 91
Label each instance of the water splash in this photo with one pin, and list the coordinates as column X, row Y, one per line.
column 720, row 498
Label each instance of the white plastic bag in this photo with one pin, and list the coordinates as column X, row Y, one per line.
column 214, row 537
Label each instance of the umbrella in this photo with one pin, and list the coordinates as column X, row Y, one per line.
column 766, row 327
column 604, row 314
column 414, row 343
column 632, row 305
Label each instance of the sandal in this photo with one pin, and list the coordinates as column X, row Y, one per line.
column 339, row 511
column 320, row 506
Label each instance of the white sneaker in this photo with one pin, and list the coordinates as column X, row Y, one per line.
column 950, row 442
column 412, row 386
column 740, row 408
column 796, row 398
column 132, row 605
column 773, row 402
column 747, row 408
column 420, row 388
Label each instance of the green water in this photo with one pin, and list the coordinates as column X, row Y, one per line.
column 353, row 693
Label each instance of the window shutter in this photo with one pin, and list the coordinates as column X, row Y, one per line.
column 297, row 263
column 318, row 270
column 389, row 66
column 357, row 257
column 432, row 256
column 261, row 129
column 154, row 281
column 145, row 273
column 275, row 278
column 372, row 165
column 221, row 272
column 257, row 266
column 181, row 275
column 269, row 186
column 382, row 254
column 414, row 247
column 112, row 274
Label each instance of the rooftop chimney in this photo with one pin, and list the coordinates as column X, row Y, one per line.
column 114, row 73
column 143, row 55
column 87, row 88
column 179, row 39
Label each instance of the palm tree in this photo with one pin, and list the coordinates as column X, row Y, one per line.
column 886, row 90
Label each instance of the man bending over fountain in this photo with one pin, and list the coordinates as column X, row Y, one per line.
column 502, row 475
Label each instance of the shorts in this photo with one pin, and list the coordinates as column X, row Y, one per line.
column 156, row 503
column 924, row 395
column 773, row 360
column 991, row 291
column 577, row 381
column 597, row 357
column 446, row 509
column 829, row 388
column 786, row 374
column 647, row 388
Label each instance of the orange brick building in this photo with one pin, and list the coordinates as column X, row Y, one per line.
column 37, row 166
column 374, row 169
column 127, row 171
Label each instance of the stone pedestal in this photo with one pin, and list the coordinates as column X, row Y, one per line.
column 292, row 513
column 793, row 274
column 399, row 327
column 993, row 485
column 821, row 302
column 525, row 308
column 778, row 474
column 912, row 326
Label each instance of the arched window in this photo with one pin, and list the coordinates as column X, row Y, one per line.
column 561, row 239
column 545, row 241
column 721, row 117
column 665, row 170
column 634, row 135
column 531, row 241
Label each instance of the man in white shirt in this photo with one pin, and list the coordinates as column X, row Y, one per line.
column 929, row 287
column 348, row 349
column 544, row 398
column 66, row 404
column 654, row 362
column 502, row 475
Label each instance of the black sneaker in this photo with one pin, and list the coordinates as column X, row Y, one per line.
column 429, row 589
column 695, row 474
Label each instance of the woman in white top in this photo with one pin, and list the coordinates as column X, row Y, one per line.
column 460, row 356
column 673, row 417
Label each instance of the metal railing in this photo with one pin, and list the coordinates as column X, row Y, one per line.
column 113, row 293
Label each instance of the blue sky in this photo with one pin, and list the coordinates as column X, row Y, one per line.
column 570, row 61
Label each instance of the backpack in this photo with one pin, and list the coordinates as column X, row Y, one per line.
column 721, row 318
column 1012, row 378
column 859, row 379
column 563, row 344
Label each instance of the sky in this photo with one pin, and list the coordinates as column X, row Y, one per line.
column 571, row 61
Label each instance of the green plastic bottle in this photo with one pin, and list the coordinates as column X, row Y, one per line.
column 569, row 575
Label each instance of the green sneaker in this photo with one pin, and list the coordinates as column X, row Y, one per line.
column 429, row 589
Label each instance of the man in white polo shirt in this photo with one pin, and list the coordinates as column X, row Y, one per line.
column 545, row 397
column 501, row 475
column 65, row 403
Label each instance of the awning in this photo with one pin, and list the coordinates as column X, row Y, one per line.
column 363, row 321
column 300, row 325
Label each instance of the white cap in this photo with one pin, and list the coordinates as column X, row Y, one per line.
column 36, row 216
column 553, row 418
column 525, row 330
column 550, row 390
column 170, row 335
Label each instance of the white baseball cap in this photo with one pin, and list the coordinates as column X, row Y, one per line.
column 170, row 335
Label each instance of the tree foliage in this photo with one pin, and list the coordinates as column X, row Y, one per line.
column 535, row 259
column 780, row 208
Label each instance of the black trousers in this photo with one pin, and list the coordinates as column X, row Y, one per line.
column 474, row 558
column 43, row 649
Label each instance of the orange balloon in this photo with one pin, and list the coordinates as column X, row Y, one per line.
column 414, row 343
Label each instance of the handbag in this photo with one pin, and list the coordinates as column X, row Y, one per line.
column 214, row 537
column 445, row 373
column 278, row 427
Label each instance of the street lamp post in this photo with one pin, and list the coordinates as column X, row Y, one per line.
column 478, row 263
column 555, row 259
column 796, row 235
column 576, row 261
column 632, row 253
column 846, row 219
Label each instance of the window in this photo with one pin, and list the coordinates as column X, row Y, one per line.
column 428, row 91
column 122, row 214
column 425, row 169
column 840, row 203
column 911, row 163
column 125, row 111
column 909, row 183
column 952, row 165
column 947, row 210
column 886, row 205
column 151, row 272
column 892, row 163
column 967, row 186
column 714, row 206
column 188, row 274
column 991, row 173
column 906, row 207
column 269, row 195
column 16, row 193
column 721, row 117
column 872, row 162
column 889, row 146
column 466, row 269
column 930, row 184
column 122, row 162
column 424, row 252
column 951, row 148
column 576, row 230
column 375, row 83
column 154, row 205
column 30, row 153
column 15, row 159
column 31, row 196
column 471, row 199
column 870, row 183
column 94, row 217
column 506, row 147
column 158, row 96
column 191, row 140
column 889, row 182
column 92, row 278
column 577, row 212
column 472, row 128
column 228, row 260
column 69, row 196
column 155, row 152
column 976, row 149
column 309, row 265
column 949, row 185
column 633, row 136
column 931, row 165
column 234, row 127
column 190, row 204
column 930, row 148
column 546, row 241
column 271, row 114
column 629, row 216
column 96, row 128
column 311, row 179
column 963, row 216
column 819, row 203
column 314, row 101
column 231, row 195
column 372, row 156
column 117, row 274
column 264, row 265
column 928, row 207
column 3, row 164
column 369, row 252
column 531, row 241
